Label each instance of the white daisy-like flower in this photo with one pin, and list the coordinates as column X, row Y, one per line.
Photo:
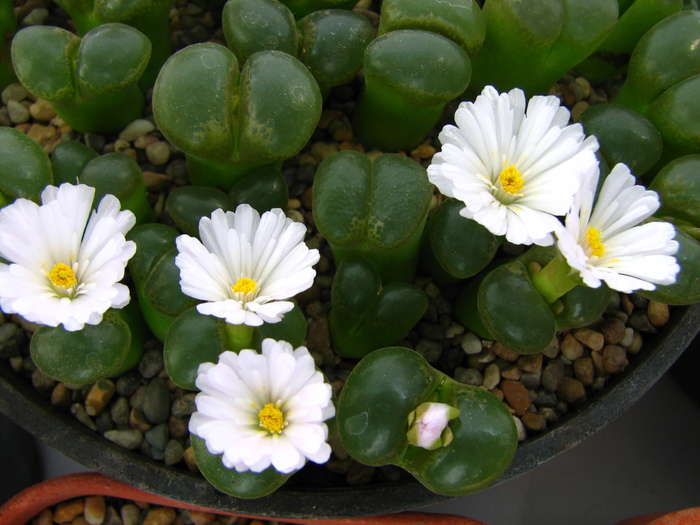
column 514, row 169
column 246, row 265
column 262, row 410
column 65, row 263
column 607, row 242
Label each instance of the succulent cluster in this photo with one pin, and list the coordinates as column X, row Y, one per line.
column 217, row 290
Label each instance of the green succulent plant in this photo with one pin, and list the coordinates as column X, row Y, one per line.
column 230, row 123
column 91, row 82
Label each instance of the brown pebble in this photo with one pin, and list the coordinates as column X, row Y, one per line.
column 188, row 456
column 138, row 420
column 95, row 508
column 584, row 370
column 307, row 198
column 42, row 110
column 42, row 135
column 61, row 395
column 571, row 390
column 534, row 422
column 68, row 510
column 201, row 518
column 531, row 363
column 626, row 304
column 45, row 517
column 571, row 347
column 613, row 330
column 512, row 372
column 505, row 353
column 79, row 520
column 328, row 116
column 516, row 395
column 130, row 514
column 614, row 359
column 597, row 358
column 592, row 339
column 658, row 313
column 99, row 397
column 636, row 345
column 160, row 516
column 578, row 109
column 424, row 151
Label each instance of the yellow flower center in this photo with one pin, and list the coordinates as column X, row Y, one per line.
column 594, row 242
column 62, row 276
column 245, row 286
column 271, row 418
column 511, row 180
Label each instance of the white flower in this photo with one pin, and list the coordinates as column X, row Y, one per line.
column 605, row 243
column 246, row 265
column 514, row 171
column 65, row 263
column 264, row 409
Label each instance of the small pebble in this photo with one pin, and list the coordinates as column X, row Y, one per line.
column 520, row 427
column 592, row 339
column 505, row 353
column 173, row 452
column 160, row 516
column 79, row 413
column 158, row 436
column 130, row 514
column 571, row 390
column 658, row 313
column 128, row 439
column 468, row 376
column 158, row 153
column 613, row 331
column 68, row 510
column 156, row 404
column 552, row 375
column 584, row 370
column 138, row 128
column 516, row 395
column 470, row 343
column 17, row 112
column 36, row 17
column 571, row 348
column 492, row 376
column 42, row 110
column 614, row 359
column 95, row 509
column 534, row 422
column 99, row 397
column 15, row 91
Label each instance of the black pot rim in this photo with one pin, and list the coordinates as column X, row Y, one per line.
column 25, row 406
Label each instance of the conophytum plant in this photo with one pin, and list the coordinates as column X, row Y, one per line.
column 329, row 42
column 92, row 82
column 229, row 123
column 150, row 17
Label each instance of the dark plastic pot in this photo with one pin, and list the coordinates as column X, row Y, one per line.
column 308, row 495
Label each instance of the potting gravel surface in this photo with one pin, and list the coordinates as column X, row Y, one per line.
column 100, row 510
column 143, row 410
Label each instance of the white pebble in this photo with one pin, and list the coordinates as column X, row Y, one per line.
column 138, row 128
column 522, row 433
column 471, row 344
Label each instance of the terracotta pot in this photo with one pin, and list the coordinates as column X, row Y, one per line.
column 29, row 503
column 309, row 493
column 689, row 516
